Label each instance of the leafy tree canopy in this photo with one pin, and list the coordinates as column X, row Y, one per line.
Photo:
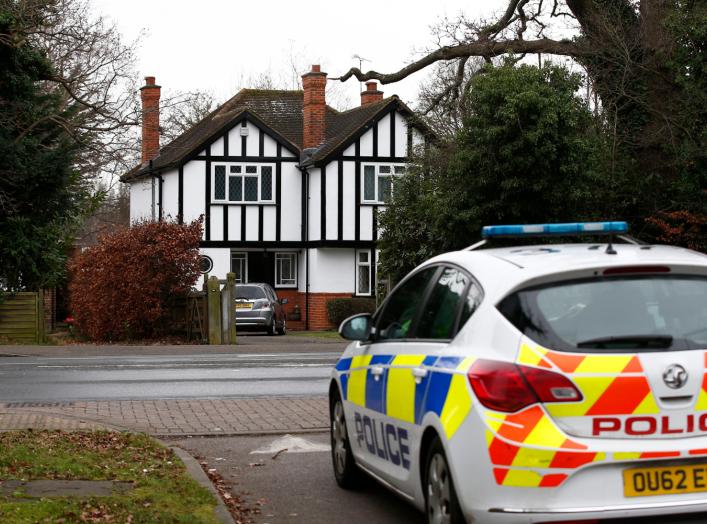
column 528, row 152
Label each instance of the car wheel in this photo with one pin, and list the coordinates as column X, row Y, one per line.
column 441, row 503
column 271, row 328
column 283, row 328
column 347, row 474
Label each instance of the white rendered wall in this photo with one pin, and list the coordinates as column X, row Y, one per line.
column 366, row 224
column 269, row 222
column 349, row 212
column 366, row 141
column 314, row 205
column 269, row 146
column 170, row 195
column 384, row 136
column 332, row 270
column 216, row 149
column 141, row 199
column 401, row 135
column 234, row 223
column 291, row 202
column 222, row 261
column 216, row 231
column 251, row 223
column 350, row 151
column 194, row 187
column 332, row 201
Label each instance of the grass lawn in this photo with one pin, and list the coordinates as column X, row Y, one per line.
column 317, row 334
column 163, row 490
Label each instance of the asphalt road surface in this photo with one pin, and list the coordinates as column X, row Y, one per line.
column 254, row 374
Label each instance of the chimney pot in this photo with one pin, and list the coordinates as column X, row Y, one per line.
column 371, row 94
column 316, row 68
column 150, row 80
column 371, row 86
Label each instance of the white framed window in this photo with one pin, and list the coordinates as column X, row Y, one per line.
column 378, row 182
column 285, row 269
column 363, row 272
column 243, row 183
column 239, row 265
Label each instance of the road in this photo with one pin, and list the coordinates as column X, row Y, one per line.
column 39, row 379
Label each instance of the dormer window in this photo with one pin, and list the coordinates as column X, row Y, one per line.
column 378, row 182
column 243, row 183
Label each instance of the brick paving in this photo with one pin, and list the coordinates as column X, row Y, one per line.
column 173, row 418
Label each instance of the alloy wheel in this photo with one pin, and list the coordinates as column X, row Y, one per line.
column 438, row 491
column 338, row 435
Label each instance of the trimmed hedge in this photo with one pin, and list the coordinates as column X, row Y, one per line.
column 339, row 309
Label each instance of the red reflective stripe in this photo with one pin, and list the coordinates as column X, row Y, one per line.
column 500, row 474
column 571, row 444
column 553, row 480
column 698, row 451
column 567, row 459
column 527, row 420
column 634, row 366
column 659, row 454
column 502, row 453
column 567, row 363
column 622, row 397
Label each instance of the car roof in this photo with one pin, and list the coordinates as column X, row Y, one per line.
column 500, row 270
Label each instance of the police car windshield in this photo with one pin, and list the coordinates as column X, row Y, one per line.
column 646, row 313
column 250, row 292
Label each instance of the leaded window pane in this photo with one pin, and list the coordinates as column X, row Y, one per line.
column 369, row 183
column 399, row 170
column 250, row 189
column 251, row 169
column 235, row 188
column 235, row 169
column 220, row 183
column 384, row 169
column 384, row 188
column 364, row 280
column 266, row 183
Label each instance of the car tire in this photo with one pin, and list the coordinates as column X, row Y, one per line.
column 283, row 329
column 346, row 472
column 441, row 503
column 271, row 328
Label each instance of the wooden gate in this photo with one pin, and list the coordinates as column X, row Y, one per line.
column 22, row 318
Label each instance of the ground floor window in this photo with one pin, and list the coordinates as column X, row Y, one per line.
column 286, row 269
column 363, row 272
column 239, row 265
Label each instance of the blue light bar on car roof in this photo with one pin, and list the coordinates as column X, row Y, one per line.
column 572, row 228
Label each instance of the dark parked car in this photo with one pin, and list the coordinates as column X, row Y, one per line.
column 258, row 308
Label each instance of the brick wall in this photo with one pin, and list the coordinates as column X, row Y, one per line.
column 318, row 318
column 150, row 95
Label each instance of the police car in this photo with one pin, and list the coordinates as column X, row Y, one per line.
column 532, row 384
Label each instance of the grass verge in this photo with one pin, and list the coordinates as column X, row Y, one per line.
column 317, row 334
column 163, row 490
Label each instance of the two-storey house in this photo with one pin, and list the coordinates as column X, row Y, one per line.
column 289, row 188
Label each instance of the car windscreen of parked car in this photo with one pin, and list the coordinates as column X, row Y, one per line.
column 250, row 292
column 639, row 313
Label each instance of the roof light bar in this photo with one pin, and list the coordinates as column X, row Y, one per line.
column 568, row 229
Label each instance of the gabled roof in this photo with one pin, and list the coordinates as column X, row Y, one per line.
column 281, row 114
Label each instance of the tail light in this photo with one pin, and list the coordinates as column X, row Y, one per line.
column 508, row 387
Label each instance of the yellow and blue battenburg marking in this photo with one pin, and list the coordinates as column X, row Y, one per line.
column 396, row 392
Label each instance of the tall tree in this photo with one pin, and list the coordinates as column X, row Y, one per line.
column 527, row 152
column 645, row 59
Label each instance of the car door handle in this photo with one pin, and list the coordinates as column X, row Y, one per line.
column 419, row 374
column 377, row 371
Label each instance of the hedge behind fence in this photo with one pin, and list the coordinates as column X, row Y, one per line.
column 339, row 309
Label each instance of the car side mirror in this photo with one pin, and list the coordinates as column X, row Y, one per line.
column 283, row 301
column 357, row 327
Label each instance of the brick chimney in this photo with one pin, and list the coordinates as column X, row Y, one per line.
column 371, row 94
column 314, row 85
column 150, row 95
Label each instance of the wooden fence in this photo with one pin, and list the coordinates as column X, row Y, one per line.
column 22, row 317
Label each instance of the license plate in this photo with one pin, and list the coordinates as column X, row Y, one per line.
column 646, row 482
column 244, row 305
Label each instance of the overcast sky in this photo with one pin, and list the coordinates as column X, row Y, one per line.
column 218, row 45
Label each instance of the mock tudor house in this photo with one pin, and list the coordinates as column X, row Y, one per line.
column 289, row 188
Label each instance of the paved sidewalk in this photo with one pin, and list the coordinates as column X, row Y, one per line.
column 174, row 418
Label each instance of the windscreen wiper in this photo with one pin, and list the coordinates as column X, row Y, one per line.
column 628, row 342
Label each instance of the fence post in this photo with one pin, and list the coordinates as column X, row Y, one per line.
column 41, row 338
column 213, row 299
column 231, row 287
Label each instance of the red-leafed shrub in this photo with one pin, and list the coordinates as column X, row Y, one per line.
column 122, row 288
column 681, row 228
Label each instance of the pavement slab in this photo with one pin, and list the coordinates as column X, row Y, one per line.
column 174, row 418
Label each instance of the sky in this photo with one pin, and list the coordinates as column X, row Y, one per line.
column 219, row 45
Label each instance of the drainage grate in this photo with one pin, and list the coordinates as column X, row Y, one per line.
column 37, row 404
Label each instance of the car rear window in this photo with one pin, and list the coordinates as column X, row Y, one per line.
column 646, row 313
column 250, row 292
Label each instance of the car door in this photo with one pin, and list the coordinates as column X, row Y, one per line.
column 419, row 375
column 377, row 445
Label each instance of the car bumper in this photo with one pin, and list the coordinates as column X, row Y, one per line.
column 593, row 490
column 257, row 318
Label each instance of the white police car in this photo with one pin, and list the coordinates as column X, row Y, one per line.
column 533, row 384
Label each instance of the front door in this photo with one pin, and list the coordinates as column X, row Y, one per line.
column 261, row 267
